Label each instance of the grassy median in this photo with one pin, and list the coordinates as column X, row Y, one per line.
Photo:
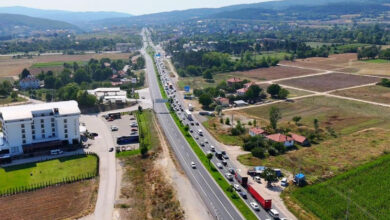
column 225, row 186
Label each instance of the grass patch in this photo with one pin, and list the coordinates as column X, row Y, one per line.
column 49, row 171
column 54, row 64
column 376, row 61
column 233, row 196
column 375, row 93
column 221, row 135
column 8, row 100
column 361, row 191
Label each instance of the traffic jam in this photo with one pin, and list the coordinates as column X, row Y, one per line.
column 220, row 158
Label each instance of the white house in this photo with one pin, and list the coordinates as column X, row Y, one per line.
column 113, row 95
column 28, row 128
column 30, row 82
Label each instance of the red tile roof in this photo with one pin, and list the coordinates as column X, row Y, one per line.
column 247, row 85
column 281, row 138
column 257, row 131
column 298, row 138
column 243, row 90
column 234, row 80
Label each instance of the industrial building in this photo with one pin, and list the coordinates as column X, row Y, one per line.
column 38, row 127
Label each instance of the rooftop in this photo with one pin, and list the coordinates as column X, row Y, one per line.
column 257, row 131
column 279, row 138
column 298, row 138
column 234, row 80
column 25, row 111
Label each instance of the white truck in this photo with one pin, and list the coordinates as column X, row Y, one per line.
column 188, row 114
column 190, row 107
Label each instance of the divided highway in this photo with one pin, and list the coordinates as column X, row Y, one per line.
column 219, row 205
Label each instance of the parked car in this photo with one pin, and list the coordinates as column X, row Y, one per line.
column 193, row 165
column 257, row 179
column 224, row 162
column 212, row 148
column 94, row 134
column 206, row 141
column 219, row 165
column 284, row 182
column 202, row 144
column 255, row 206
column 111, row 149
column 114, row 128
column 231, row 170
column 225, row 156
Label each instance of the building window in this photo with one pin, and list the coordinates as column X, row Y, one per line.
column 66, row 131
column 53, row 130
column 66, row 126
column 52, row 124
column 53, row 134
column 23, row 136
column 42, row 125
column 65, row 120
column 24, row 141
column 43, row 136
column 43, row 131
column 33, row 137
column 23, row 131
column 22, row 125
column 42, row 120
column 66, row 135
column 32, row 126
column 52, row 120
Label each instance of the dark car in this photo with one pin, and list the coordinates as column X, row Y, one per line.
column 111, row 149
column 243, row 194
column 94, row 134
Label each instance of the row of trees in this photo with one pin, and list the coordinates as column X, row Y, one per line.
column 373, row 52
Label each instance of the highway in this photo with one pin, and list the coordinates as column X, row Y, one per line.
column 205, row 140
column 219, row 205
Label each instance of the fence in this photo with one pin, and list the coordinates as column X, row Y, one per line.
column 42, row 185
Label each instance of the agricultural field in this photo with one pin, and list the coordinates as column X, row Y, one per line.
column 69, row 201
column 10, row 67
column 42, row 172
column 333, row 62
column 375, row 93
column 360, row 192
column 359, row 127
column 332, row 81
column 292, row 92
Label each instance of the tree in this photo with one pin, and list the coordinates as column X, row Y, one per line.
column 209, row 157
column 274, row 90
column 50, row 82
column 14, row 96
column 140, row 109
column 186, row 128
column 253, row 92
column 258, row 152
column 207, row 74
column 144, row 151
column 296, row 119
column 86, row 99
column 274, row 116
column 270, row 176
column 205, row 100
column 316, row 126
column 48, row 97
column 24, row 74
column 218, row 109
column 227, row 121
column 283, row 93
column 81, row 76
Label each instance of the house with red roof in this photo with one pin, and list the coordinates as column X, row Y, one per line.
column 241, row 92
column 224, row 102
column 301, row 140
column 233, row 81
column 256, row 132
column 249, row 84
column 281, row 138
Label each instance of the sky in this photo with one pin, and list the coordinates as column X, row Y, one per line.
column 135, row 7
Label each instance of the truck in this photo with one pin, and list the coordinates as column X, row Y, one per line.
column 190, row 107
column 265, row 203
column 242, row 180
column 114, row 115
column 127, row 139
column 188, row 114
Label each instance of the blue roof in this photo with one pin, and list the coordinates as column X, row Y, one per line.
column 300, row 176
column 259, row 168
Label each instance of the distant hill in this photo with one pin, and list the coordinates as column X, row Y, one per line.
column 21, row 25
column 76, row 18
column 290, row 9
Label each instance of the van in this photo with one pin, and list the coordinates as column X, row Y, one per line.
column 274, row 213
column 56, row 152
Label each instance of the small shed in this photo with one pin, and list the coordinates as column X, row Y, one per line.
column 300, row 179
column 239, row 103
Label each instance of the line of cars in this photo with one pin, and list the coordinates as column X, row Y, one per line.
column 222, row 158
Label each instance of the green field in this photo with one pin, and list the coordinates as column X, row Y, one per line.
column 362, row 191
column 49, row 171
column 54, row 64
column 376, row 61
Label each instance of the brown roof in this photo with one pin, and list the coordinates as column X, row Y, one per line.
column 249, row 84
column 234, row 80
column 298, row 138
column 257, row 131
column 243, row 90
column 279, row 138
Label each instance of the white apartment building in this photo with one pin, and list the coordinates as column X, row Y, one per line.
column 26, row 128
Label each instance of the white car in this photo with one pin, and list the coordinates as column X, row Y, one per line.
column 258, row 179
column 206, row 141
column 237, row 187
column 255, row 206
column 229, row 176
column 193, row 165
column 219, row 165
column 114, row 128
column 273, row 213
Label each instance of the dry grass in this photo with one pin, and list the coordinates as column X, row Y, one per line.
column 329, row 82
column 12, row 67
column 370, row 93
column 272, row 73
column 333, row 62
column 70, row 201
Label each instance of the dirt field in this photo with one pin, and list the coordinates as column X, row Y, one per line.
column 272, row 73
column 69, row 201
column 333, row 62
column 329, row 82
column 370, row 93
column 12, row 67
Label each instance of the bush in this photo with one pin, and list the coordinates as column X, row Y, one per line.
column 258, row 152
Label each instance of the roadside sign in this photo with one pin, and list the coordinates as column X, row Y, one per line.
column 161, row 100
column 187, row 88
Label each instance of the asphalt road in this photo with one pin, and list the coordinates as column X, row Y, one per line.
column 219, row 205
column 262, row 214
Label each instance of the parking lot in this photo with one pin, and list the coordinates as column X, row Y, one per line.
column 122, row 127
